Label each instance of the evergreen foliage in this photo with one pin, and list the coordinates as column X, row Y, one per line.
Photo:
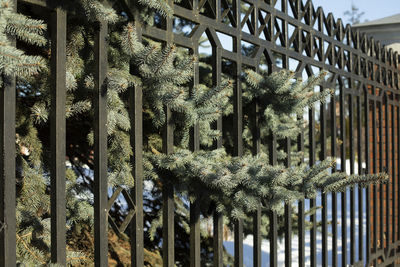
column 14, row 25
column 238, row 184
column 283, row 99
column 164, row 72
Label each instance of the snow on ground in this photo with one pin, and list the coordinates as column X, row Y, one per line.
column 248, row 241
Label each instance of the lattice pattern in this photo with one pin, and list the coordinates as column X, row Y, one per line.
column 295, row 35
column 132, row 210
column 313, row 39
column 1, row 226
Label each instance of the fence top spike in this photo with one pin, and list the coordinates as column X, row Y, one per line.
column 388, row 55
column 378, row 45
column 310, row 3
column 363, row 35
column 339, row 23
column 396, row 57
column 372, row 40
column 385, row 52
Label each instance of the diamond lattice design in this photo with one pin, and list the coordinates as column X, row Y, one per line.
column 2, row 225
column 131, row 206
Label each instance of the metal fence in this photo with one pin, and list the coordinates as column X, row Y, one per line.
column 287, row 34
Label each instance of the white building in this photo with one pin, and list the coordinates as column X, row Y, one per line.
column 386, row 30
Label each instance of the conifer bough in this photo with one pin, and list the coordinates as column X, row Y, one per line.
column 235, row 185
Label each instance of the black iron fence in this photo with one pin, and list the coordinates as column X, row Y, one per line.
column 287, row 34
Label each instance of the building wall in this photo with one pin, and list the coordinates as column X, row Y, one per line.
column 387, row 34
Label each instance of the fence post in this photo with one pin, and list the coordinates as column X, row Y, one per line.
column 168, row 232
column 257, row 238
column 7, row 174
column 58, row 135
column 273, row 217
column 136, row 140
column 195, row 241
column 300, row 209
column 238, row 124
column 7, row 170
column 217, row 217
column 100, row 147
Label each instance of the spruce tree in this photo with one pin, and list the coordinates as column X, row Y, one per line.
column 164, row 72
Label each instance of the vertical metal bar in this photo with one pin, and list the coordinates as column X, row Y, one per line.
column 7, row 170
column 195, row 234
column 393, row 141
column 396, row 189
column 343, row 148
column 273, row 239
column 374, row 168
column 218, row 235
column 360, row 189
column 288, row 206
column 237, row 123
column 387, row 121
column 217, row 9
column 273, row 231
column 257, row 237
column 237, row 90
column 343, row 169
column 168, row 231
column 324, row 197
column 301, row 217
column 334, row 195
column 257, row 215
column 238, row 228
column 195, row 207
column 217, row 217
column 136, row 140
column 381, row 168
column 398, row 173
column 194, row 142
column 352, row 189
column 100, row 147
column 7, row 178
column 313, row 217
column 333, row 127
column 288, row 216
column 168, row 198
column 58, row 135
column 284, row 30
column 301, row 233
column 367, row 170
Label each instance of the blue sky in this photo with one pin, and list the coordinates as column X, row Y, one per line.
column 374, row 9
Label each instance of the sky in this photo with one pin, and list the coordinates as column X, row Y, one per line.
column 374, row 9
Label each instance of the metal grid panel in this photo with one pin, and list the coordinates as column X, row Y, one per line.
column 314, row 40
